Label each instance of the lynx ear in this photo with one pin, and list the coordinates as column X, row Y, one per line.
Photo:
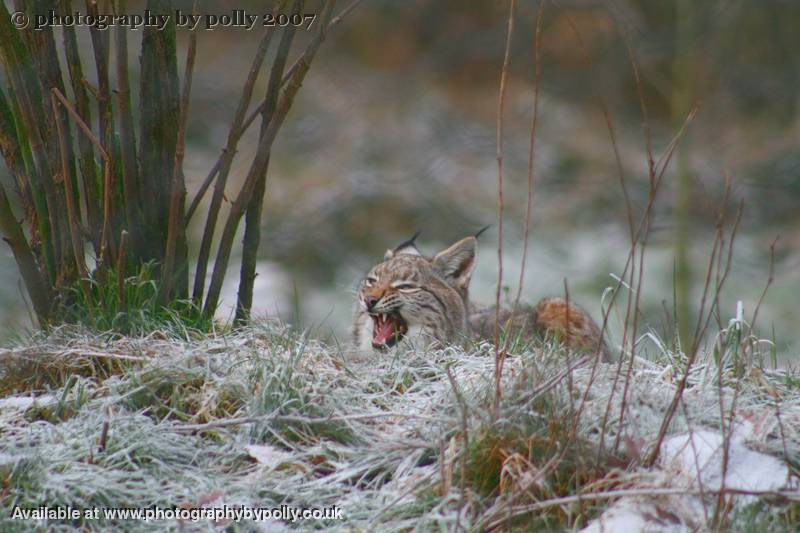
column 407, row 247
column 456, row 262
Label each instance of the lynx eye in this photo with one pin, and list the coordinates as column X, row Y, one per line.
column 404, row 286
column 369, row 281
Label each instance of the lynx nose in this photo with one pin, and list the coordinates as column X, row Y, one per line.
column 370, row 302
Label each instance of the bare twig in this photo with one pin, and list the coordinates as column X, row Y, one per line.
column 464, row 445
column 123, row 244
column 107, row 165
column 34, row 281
column 252, row 226
column 74, row 223
column 531, row 160
column 660, row 169
column 702, row 323
column 80, row 123
column 646, row 221
column 176, row 229
column 259, row 164
column 106, row 207
column 224, row 164
column 501, row 102
column 86, row 157
column 635, row 234
column 127, row 136
column 100, row 47
column 720, row 507
column 770, row 279
column 103, row 441
column 201, row 191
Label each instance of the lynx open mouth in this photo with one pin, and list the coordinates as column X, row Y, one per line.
column 387, row 330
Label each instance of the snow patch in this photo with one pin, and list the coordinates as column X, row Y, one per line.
column 696, row 461
column 21, row 403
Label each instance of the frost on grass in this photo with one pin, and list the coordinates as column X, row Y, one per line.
column 406, row 440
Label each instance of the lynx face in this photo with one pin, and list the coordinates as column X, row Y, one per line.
column 411, row 295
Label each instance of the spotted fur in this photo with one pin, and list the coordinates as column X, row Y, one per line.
column 431, row 294
column 567, row 322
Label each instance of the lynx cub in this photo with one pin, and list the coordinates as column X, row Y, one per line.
column 409, row 294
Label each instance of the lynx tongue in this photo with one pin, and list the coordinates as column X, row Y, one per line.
column 387, row 330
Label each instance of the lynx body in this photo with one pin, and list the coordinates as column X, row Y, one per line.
column 409, row 295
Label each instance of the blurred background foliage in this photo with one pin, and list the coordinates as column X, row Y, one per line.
column 394, row 131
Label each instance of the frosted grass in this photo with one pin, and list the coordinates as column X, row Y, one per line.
column 265, row 416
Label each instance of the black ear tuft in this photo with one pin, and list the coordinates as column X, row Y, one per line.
column 480, row 231
column 406, row 247
column 456, row 262
column 410, row 243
